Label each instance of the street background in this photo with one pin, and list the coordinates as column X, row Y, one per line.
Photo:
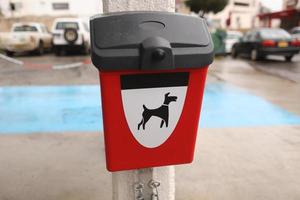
column 237, row 159
column 51, row 132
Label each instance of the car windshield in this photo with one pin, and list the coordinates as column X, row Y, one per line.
column 296, row 31
column 274, row 34
column 64, row 25
column 233, row 36
column 25, row 28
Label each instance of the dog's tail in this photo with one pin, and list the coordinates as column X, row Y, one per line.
column 145, row 108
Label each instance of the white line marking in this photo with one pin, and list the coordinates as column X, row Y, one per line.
column 12, row 60
column 67, row 66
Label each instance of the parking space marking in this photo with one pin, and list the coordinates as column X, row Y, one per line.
column 35, row 109
column 12, row 60
column 45, row 65
column 68, row 66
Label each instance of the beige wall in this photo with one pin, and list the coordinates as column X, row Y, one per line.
column 6, row 23
column 45, row 7
column 290, row 4
column 181, row 7
column 242, row 17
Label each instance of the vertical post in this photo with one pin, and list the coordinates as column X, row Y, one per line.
column 124, row 182
column 270, row 22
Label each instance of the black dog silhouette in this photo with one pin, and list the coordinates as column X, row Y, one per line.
column 161, row 112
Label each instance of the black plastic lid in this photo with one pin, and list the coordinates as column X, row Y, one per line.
column 149, row 40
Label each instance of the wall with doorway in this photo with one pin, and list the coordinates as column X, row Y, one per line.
column 242, row 14
column 6, row 23
column 50, row 7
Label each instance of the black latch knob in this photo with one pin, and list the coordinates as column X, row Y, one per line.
column 158, row 54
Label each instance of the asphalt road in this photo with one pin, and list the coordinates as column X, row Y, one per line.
column 231, row 163
column 276, row 81
column 273, row 65
column 277, row 66
column 38, row 70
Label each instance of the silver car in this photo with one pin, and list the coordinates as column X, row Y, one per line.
column 27, row 37
column 295, row 32
column 232, row 37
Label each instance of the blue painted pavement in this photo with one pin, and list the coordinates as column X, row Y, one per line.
column 77, row 108
column 228, row 106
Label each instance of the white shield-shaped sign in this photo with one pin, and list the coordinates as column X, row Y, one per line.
column 153, row 104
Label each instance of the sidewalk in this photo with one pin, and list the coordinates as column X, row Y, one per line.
column 230, row 164
column 233, row 163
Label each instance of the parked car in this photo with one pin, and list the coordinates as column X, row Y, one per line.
column 27, row 37
column 232, row 37
column 295, row 32
column 3, row 36
column 267, row 41
column 70, row 34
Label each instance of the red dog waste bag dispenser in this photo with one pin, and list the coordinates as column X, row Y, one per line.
column 152, row 67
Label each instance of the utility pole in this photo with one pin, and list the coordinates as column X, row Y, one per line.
column 137, row 184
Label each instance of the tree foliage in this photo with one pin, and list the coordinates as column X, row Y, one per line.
column 206, row 6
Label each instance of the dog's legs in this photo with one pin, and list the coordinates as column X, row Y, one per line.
column 144, row 125
column 162, row 123
column 145, row 120
column 167, row 122
column 140, row 124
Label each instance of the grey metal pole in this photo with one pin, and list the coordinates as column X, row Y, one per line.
column 134, row 184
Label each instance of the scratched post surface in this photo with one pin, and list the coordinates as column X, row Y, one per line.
column 123, row 182
column 136, row 5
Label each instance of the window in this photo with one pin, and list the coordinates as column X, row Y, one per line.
column 241, row 4
column 254, row 36
column 44, row 29
column 247, row 36
column 64, row 25
column 14, row 6
column 274, row 34
column 235, row 36
column 296, row 31
column 291, row 3
column 25, row 28
column 60, row 6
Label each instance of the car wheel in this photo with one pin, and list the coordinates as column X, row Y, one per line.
column 40, row 49
column 234, row 53
column 70, row 35
column 254, row 55
column 288, row 58
column 10, row 53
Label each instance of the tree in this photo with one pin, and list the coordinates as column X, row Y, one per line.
column 206, row 6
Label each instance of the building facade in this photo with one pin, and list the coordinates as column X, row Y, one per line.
column 289, row 16
column 181, row 7
column 291, row 4
column 21, row 8
column 237, row 15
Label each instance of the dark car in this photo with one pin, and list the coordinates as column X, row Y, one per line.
column 266, row 41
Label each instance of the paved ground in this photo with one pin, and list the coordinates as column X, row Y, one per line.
column 231, row 163
column 260, row 79
column 39, row 71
